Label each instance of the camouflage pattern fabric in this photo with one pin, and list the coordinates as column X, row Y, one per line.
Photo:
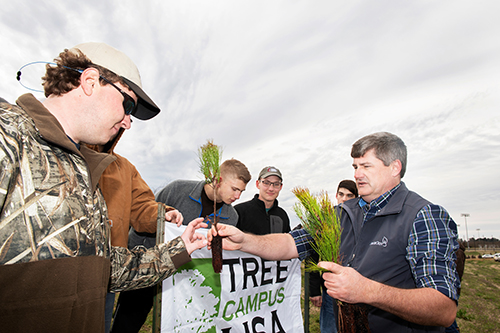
column 128, row 275
column 49, row 207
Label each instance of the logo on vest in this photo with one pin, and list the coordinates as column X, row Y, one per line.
column 381, row 243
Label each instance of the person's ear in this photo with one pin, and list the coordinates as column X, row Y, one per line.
column 396, row 167
column 219, row 182
column 257, row 184
column 88, row 80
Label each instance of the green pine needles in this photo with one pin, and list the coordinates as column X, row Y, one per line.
column 320, row 220
column 210, row 159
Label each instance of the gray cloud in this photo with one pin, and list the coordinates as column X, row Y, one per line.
column 294, row 84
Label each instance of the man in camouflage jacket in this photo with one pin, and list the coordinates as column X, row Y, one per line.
column 55, row 251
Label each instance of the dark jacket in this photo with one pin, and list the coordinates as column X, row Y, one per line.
column 253, row 218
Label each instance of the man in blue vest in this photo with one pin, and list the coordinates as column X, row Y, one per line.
column 398, row 249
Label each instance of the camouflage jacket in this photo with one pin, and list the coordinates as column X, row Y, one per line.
column 51, row 206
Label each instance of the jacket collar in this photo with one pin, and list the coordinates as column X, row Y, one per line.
column 395, row 204
column 196, row 192
column 353, row 209
column 47, row 125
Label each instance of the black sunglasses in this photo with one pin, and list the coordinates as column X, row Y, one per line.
column 128, row 101
column 129, row 105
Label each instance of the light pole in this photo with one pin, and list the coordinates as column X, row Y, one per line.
column 465, row 215
column 477, row 236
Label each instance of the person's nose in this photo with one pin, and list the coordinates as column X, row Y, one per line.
column 127, row 122
column 358, row 174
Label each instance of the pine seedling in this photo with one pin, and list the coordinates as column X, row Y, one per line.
column 210, row 159
column 320, row 220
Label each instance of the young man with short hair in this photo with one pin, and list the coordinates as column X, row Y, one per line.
column 346, row 190
column 193, row 199
column 196, row 198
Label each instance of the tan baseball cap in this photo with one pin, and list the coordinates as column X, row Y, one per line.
column 270, row 171
column 116, row 61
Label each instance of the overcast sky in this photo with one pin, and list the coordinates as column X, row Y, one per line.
column 293, row 84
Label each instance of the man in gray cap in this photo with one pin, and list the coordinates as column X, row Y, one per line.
column 56, row 262
column 262, row 215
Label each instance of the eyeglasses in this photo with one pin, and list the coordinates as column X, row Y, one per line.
column 128, row 102
column 267, row 183
column 129, row 105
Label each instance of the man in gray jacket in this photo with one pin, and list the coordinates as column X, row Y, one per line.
column 193, row 199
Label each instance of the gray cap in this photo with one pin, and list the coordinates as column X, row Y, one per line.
column 270, row 171
column 116, row 61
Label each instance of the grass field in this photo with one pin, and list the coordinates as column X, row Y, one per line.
column 479, row 305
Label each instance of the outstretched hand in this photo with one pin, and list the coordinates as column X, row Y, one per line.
column 192, row 239
column 232, row 237
column 174, row 216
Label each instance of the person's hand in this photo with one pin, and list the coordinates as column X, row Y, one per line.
column 345, row 283
column 193, row 240
column 316, row 300
column 174, row 216
column 232, row 237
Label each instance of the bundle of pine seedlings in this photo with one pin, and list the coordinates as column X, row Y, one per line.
column 320, row 220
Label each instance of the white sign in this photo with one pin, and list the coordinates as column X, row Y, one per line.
column 250, row 295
